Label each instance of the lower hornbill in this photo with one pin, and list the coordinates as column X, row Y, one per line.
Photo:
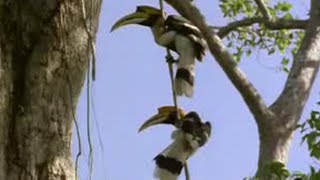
column 190, row 135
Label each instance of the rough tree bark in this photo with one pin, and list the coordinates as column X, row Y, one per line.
column 276, row 123
column 43, row 60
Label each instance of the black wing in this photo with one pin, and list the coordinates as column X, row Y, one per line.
column 185, row 27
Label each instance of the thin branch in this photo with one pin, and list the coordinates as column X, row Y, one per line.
column 272, row 23
column 281, row 23
column 77, row 129
column 95, row 119
column 248, row 92
column 170, row 62
column 88, row 123
column 161, row 8
column 233, row 26
column 275, row 24
column 264, row 9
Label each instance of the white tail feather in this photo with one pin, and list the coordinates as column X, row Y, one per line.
column 177, row 150
column 163, row 174
column 183, row 88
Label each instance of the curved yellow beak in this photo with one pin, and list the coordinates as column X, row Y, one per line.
column 165, row 115
column 134, row 18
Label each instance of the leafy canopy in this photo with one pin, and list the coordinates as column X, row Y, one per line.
column 245, row 40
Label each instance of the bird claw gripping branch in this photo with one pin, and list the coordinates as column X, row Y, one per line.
column 190, row 134
column 175, row 33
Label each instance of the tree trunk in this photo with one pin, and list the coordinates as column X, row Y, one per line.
column 43, row 60
column 275, row 147
column 275, row 144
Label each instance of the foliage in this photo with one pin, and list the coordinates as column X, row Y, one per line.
column 234, row 8
column 312, row 137
column 277, row 170
column 311, row 131
column 245, row 40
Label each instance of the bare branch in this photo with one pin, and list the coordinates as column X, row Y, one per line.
column 264, row 9
column 281, row 23
column 275, row 24
column 224, row 59
column 233, row 26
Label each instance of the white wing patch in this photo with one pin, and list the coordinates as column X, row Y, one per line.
column 166, row 38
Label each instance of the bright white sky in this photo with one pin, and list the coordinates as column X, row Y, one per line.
column 133, row 80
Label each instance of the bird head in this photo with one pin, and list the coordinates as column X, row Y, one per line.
column 199, row 131
column 144, row 15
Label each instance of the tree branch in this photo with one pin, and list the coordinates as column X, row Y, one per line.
column 224, row 59
column 264, row 9
column 290, row 103
column 275, row 24
column 233, row 26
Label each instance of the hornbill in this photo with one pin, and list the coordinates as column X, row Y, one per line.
column 190, row 135
column 177, row 34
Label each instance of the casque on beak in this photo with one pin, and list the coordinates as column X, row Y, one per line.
column 144, row 15
column 134, row 18
column 165, row 115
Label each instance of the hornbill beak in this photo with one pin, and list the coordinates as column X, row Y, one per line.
column 134, row 18
column 166, row 115
column 144, row 15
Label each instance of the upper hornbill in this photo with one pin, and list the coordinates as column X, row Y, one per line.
column 190, row 135
column 176, row 33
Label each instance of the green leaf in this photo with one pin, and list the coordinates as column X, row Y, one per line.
column 299, row 176
column 283, row 6
column 277, row 169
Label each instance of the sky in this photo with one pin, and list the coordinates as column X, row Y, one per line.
column 133, row 81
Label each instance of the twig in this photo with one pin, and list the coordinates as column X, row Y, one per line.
column 264, row 9
column 275, row 24
column 186, row 171
column 88, row 122
column 170, row 61
column 77, row 130
column 98, row 131
column 161, row 7
column 95, row 119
